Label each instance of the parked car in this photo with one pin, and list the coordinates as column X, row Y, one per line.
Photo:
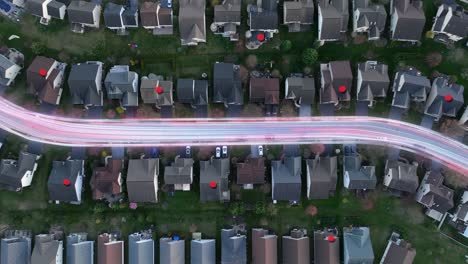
column 260, row 150
column 225, row 151
column 188, row 151
column 218, row 152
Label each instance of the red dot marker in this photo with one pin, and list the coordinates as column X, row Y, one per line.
column 331, row 238
column 66, row 182
column 42, row 72
column 342, row 89
column 261, row 37
column 213, row 185
column 448, row 98
column 158, row 89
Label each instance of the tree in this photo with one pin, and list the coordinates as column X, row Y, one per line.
column 38, row 48
column 251, row 61
column 309, row 56
column 286, row 46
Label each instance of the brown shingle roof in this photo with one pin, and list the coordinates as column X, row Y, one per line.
column 105, row 180
column 264, row 247
column 264, row 90
column 252, row 171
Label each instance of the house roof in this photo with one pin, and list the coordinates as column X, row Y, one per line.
column 35, row 81
column 214, row 170
column 264, row 246
column 433, row 194
column 369, row 15
column 142, row 180
column 266, row 19
column 113, row 15
column 296, row 248
column 192, row 21
column 301, row 88
column 264, row 90
column 45, row 249
column 61, row 171
column 110, row 250
column 301, row 11
column 375, row 81
column 79, row 250
column 251, row 171
column 398, row 251
column 203, row 251
column 401, row 176
column 233, row 247
column 140, row 248
column 335, row 18
column 5, row 64
column 411, row 20
column 335, row 76
column 227, row 84
column 83, row 84
column 444, row 99
column 171, row 251
column 152, row 16
column 286, row 179
column 451, row 19
column 409, row 84
column 326, row 246
column 357, row 245
column 81, row 12
column 192, row 91
column 122, row 84
column 12, row 171
column 360, row 177
column 180, row 171
column 34, row 7
column 16, row 250
column 151, row 96
column 105, row 180
column 53, row 9
column 322, row 177
column 228, row 12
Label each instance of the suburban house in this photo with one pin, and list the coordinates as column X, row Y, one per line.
column 264, row 247
column 407, row 20
column 45, row 10
column 156, row 92
column 192, row 24
column 450, row 23
column 179, row 174
column 122, row 84
column 140, row 248
column 321, row 177
column 410, row 86
column 327, row 246
column 434, row 195
column 445, row 98
column 119, row 18
column 193, row 92
column 356, row 176
column 85, row 83
column 142, row 180
column 263, row 23
column 300, row 89
column 398, row 251
column 233, row 246
column 460, row 217
column 171, row 250
column 79, row 249
column 227, row 17
column 286, row 179
column 357, row 245
column 335, row 82
column 17, row 174
column 400, row 176
column 83, row 14
column 298, row 15
column 65, row 182
column 202, row 251
column 265, row 91
column 106, row 182
column 369, row 18
column 227, row 84
column 250, row 172
column 8, row 70
column 44, row 78
column 296, row 248
column 157, row 17
column 464, row 119
column 110, row 250
column 214, row 180
column 372, row 81
column 47, row 249
column 333, row 16
column 16, row 249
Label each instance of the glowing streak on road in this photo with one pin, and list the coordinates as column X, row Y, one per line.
column 233, row 131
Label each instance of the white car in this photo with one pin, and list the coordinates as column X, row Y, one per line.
column 224, row 151
column 260, row 150
column 218, row 152
column 188, row 150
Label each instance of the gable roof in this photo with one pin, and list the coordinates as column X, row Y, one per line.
column 451, row 19
column 335, row 74
column 113, row 15
column 233, row 247
column 286, row 179
column 335, row 16
column 296, row 248
column 191, row 91
column 16, row 250
column 409, row 85
column 410, row 21
column 110, row 250
column 401, row 176
column 214, row 170
column 374, row 81
column 12, row 171
column 171, row 251
column 229, row 11
column 180, row 171
column 326, row 246
column 140, row 248
column 81, row 12
column 142, row 180
column 301, row 88
column 203, row 251
column 251, row 171
column 79, row 250
column 151, row 96
column 264, row 17
column 433, row 194
column 301, row 11
column 357, row 245
column 444, row 99
column 192, row 21
column 398, row 251
column 84, row 83
column 122, row 84
column 360, row 177
column 105, row 180
column 264, row 90
column 65, row 170
column 369, row 15
column 264, row 246
column 227, row 84
column 321, row 177
column 46, row 248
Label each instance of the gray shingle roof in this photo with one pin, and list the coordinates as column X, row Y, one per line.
column 214, row 170
column 360, row 177
column 171, row 251
column 79, row 250
column 335, row 74
column 192, row 21
column 180, row 171
column 322, row 177
column 286, row 179
column 357, row 245
column 113, row 15
column 398, row 251
column 233, row 247
column 34, row 7
column 444, row 99
column 227, row 84
column 452, row 19
column 45, row 249
column 203, row 251
column 301, row 11
column 401, row 176
column 140, row 249
column 16, row 250
column 433, row 194
column 81, row 12
column 375, row 81
column 61, row 170
column 410, row 22
column 301, row 88
column 409, row 85
column 335, row 18
column 53, row 8
column 142, row 180
column 12, row 171
column 228, row 12
column 84, row 82
column 122, row 84
column 372, row 16
column 193, row 92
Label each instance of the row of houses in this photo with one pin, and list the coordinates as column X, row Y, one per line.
column 407, row 18
column 296, row 248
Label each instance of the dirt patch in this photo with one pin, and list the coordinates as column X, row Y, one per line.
column 311, row 210
column 359, row 39
column 433, row 59
column 252, row 110
column 287, row 109
column 193, row 228
column 204, row 153
column 265, row 188
column 146, row 111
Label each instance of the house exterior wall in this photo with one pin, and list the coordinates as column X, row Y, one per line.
column 11, row 73
column 62, row 11
column 346, row 180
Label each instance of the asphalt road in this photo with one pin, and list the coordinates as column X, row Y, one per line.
column 233, row 131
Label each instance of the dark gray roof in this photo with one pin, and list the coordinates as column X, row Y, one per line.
column 192, row 21
column 214, row 170
column 34, row 7
column 358, row 176
column 81, row 12
column 180, row 171
column 301, row 11
column 228, row 12
column 335, row 18
column 322, row 177
column 16, row 250
column 45, row 249
column 171, row 251
column 375, row 81
column 142, row 180
column 372, row 16
column 398, row 251
column 12, row 171
column 140, row 249
column 61, row 170
column 437, row 103
column 301, row 88
column 113, row 15
column 433, row 194
column 53, row 9
column 401, row 176
column 82, row 82
column 203, row 251
column 286, row 179
column 130, row 16
column 122, row 84
column 193, row 92
column 267, row 19
column 79, row 250
column 409, row 85
column 233, row 247
column 411, row 20
column 227, row 84
column 451, row 19
column 357, row 245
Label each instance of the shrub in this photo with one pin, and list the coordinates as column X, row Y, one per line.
column 309, row 57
